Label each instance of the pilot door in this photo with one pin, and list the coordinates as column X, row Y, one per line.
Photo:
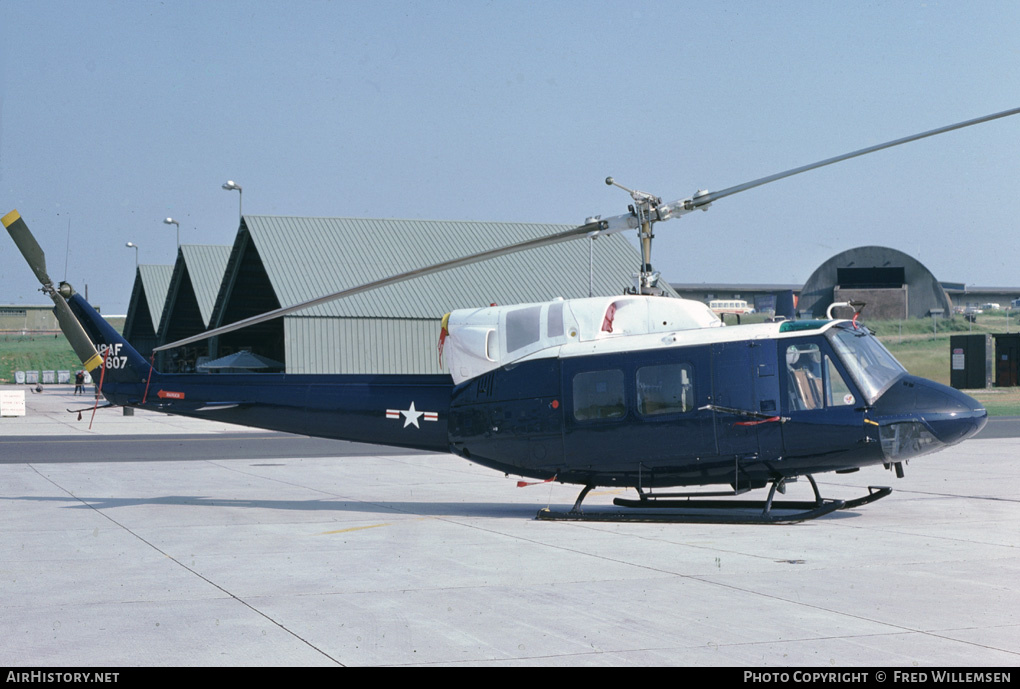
column 824, row 413
column 745, row 401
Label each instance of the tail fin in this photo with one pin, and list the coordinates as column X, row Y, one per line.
column 123, row 362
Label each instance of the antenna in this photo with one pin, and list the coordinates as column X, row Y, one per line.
column 67, row 249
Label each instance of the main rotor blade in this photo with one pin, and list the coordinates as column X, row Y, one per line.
column 606, row 226
column 566, row 235
column 30, row 248
column 708, row 198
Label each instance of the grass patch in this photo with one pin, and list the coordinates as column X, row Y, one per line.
column 927, row 354
column 998, row 401
column 924, row 350
column 35, row 353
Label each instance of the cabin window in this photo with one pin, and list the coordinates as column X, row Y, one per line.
column 522, row 327
column 664, row 389
column 599, row 395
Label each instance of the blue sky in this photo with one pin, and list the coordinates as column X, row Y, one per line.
column 115, row 115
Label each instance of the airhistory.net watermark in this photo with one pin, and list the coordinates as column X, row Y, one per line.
column 61, row 677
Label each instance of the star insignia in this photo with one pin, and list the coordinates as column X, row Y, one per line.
column 412, row 416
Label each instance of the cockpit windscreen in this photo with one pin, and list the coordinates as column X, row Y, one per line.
column 873, row 368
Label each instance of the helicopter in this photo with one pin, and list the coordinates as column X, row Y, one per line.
column 637, row 390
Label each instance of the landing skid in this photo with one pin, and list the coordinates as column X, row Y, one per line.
column 692, row 510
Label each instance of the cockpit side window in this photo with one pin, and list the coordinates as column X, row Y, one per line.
column 837, row 392
column 813, row 381
column 804, row 377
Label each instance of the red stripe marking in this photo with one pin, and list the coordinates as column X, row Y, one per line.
column 524, row 484
column 771, row 419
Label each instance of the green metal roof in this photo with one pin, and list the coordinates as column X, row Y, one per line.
column 155, row 283
column 206, row 265
column 307, row 258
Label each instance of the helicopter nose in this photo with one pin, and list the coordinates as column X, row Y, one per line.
column 921, row 416
column 952, row 415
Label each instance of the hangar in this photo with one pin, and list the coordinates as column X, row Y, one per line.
column 145, row 310
column 281, row 260
column 893, row 284
column 190, row 297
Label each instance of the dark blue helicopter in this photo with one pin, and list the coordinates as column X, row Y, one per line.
column 635, row 391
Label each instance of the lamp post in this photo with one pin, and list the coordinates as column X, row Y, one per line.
column 132, row 245
column 171, row 221
column 230, row 185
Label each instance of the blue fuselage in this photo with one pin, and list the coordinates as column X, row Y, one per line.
column 741, row 411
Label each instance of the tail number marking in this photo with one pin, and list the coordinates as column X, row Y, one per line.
column 114, row 359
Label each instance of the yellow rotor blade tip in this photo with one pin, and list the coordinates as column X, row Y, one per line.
column 9, row 219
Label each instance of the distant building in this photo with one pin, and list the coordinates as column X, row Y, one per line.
column 762, row 297
column 39, row 319
column 892, row 284
column 27, row 319
column 976, row 297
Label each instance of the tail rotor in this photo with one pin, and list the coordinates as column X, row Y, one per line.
column 36, row 259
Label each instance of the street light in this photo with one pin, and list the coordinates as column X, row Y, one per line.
column 171, row 221
column 231, row 186
column 132, row 245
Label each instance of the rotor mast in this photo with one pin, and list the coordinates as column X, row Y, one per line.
column 644, row 213
column 642, row 209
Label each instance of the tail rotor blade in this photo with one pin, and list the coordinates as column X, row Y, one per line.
column 30, row 248
column 75, row 334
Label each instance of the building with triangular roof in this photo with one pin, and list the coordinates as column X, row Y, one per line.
column 145, row 310
column 190, row 297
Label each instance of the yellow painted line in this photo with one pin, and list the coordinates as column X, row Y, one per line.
column 873, row 423
column 372, row 526
column 354, row 528
column 10, row 218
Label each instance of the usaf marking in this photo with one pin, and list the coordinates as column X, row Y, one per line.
column 412, row 415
